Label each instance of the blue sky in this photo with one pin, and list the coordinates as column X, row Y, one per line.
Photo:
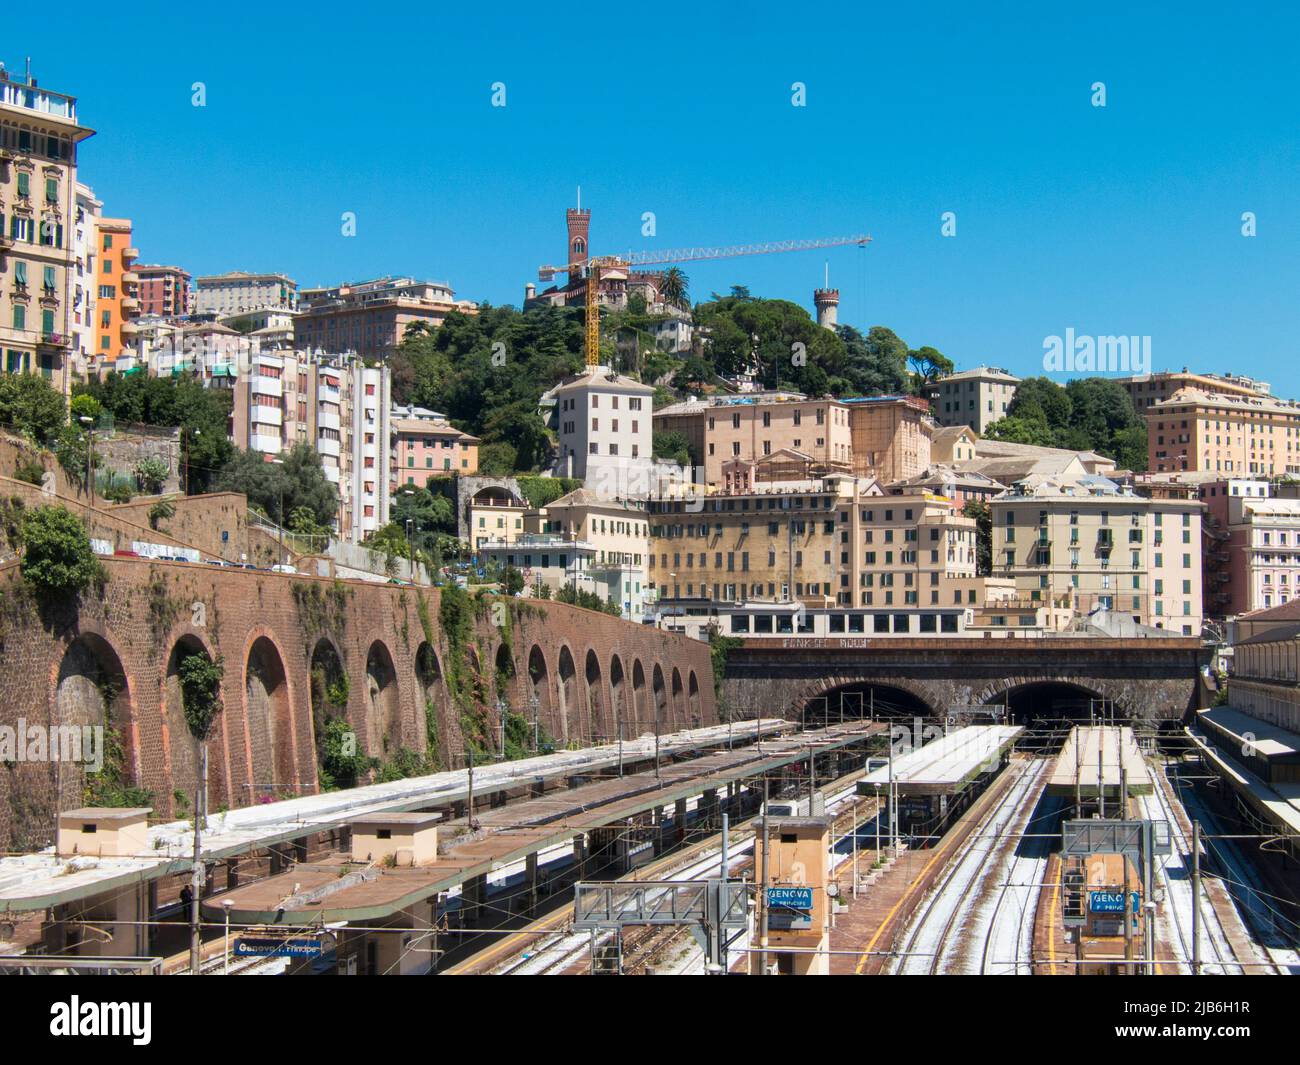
column 1117, row 220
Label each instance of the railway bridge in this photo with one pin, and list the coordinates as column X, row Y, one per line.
column 1157, row 680
column 409, row 677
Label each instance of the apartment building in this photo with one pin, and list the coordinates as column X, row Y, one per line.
column 333, row 404
column 890, row 436
column 237, row 292
column 84, row 282
column 1194, row 430
column 604, row 422
column 837, row 540
column 1263, row 548
column 372, row 317
column 1091, row 545
column 39, row 137
column 494, row 514
column 426, row 445
column 164, row 291
column 1149, row 389
column 976, row 398
column 117, row 297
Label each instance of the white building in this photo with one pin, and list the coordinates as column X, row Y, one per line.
column 83, row 281
column 603, row 420
column 238, row 292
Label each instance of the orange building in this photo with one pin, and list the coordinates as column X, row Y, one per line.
column 117, row 301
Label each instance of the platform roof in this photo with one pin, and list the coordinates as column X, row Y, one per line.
column 1115, row 747
column 1270, row 742
column 948, row 763
column 37, row 881
column 1277, row 804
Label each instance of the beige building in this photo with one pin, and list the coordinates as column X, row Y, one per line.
column 237, row 292
column 837, row 540
column 372, row 317
column 604, row 424
column 495, row 514
column 976, row 398
column 891, row 437
column 39, row 135
column 1228, row 434
column 953, row 444
column 1090, row 545
column 1149, row 389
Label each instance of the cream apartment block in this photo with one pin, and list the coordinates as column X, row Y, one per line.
column 837, row 540
column 1149, row 389
column 1264, row 553
column 39, row 135
column 975, row 398
column 1089, row 544
column 237, row 292
column 84, row 283
column 604, row 421
column 333, row 404
column 372, row 317
column 1228, row 434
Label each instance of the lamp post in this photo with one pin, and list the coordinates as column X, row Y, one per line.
column 501, row 710
column 536, row 704
column 280, row 513
column 226, row 904
column 185, row 459
column 410, row 549
column 89, row 423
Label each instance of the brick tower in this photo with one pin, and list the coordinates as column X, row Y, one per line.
column 578, row 220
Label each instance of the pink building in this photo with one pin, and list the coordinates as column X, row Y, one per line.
column 426, row 445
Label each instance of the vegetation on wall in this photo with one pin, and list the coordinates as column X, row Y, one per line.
column 57, row 557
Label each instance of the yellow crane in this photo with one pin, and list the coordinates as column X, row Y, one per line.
column 594, row 264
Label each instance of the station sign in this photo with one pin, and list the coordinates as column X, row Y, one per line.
column 281, row 947
column 789, row 908
column 1111, row 902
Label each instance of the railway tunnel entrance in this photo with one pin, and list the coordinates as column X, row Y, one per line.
column 1049, row 709
column 855, row 702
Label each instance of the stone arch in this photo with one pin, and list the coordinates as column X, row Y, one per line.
column 539, row 676
column 679, row 710
column 432, row 688
column 831, row 697
column 595, row 696
column 639, row 706
column 385, row 711
column 1045, row 698
column 663, row 712
column 618, row 697
column 505, row 671
column 693, row 697
column 182, row 750
column 92, row 688
column 570, row 718
column 268, row 716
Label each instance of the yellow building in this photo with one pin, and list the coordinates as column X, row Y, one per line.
column 1091, row 545
column 39, row 135
column 117, row 301
column 1219, row 433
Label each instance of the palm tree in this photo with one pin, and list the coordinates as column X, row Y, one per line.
column 673, row 285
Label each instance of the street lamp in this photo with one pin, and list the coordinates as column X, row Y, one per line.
column 280, row 512
column 185, row 459
column 226, row 904
column 501, row 710
column 536, row 704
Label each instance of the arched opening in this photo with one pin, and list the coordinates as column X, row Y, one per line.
column 863, row 700
column 1052, row 705
column 505, row 670
column 433, row 697
column 540, row 679
column 267, row 712
column 182, row 747
column 678, row 708
column 381, row 691
column 693, row 695
column 570, row 718
column 663, row 714
column 618, row 697
column 640, row 709
column 92, row 692
column 595, row 698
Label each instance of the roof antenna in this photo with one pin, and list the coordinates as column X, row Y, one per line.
column 579, row 197
column 827, row 283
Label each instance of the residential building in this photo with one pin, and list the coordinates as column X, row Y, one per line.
column 604, row 423
column 1088, row 543
column 1149, row 389
column 837, row 540
column 1194, row 430
column 39, row 136
column 85, row 284
column 117, row 301
column 426, row 445
column 1007, row 462
column 494, row 513
column 237, row 292
column 961, row 486
column 953, row 444
column 1263, row 548
column 890, row 436
column 371, row 317
column 976, row 398
column 164, row 291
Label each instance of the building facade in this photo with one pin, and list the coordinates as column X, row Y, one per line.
column 117, row 296
column 39, row 138
column 976, row 398
column 426, row 445
column 164, row 291
column 372, row 317
column 604, row 422
column 236, row 292
column 1149, row 389
column 1209, row 432
column 85, row 281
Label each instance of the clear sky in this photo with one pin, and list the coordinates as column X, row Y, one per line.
column 1117, row 220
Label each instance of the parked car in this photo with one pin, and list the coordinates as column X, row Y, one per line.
column 283, row 569
column 127, row 554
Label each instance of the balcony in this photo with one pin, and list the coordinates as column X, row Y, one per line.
column 130, row 329
column 268, row 445
column 130, row 277
column 327, row 394
column 261, row 415
column 130, row 303
column 331, row 472
column 327, row 446
column 266, row 386
column 130, row 253
column 55, row 340
column 328, row 419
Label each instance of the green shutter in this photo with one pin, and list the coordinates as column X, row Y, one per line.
column 24, row 185
column 20, row 316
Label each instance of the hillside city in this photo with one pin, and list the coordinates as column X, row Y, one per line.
column 323, row 564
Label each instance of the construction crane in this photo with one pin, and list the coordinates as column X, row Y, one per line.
column 594, row 264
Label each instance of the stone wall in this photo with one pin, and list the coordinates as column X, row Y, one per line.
column 114, row 658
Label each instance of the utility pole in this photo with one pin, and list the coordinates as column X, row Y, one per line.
column 726, row 868
column 196, row 867
column 620, row 748
column 1196, row 898
column 762, row 891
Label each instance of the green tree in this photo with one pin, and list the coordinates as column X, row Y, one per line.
column 496, row 460
column 150, row 473
column 31, row 406
column 85, row 406
column 671, row 445
column 513, row 581
column 979, row 510
column 875, row 364
column 280, row 488
column 200, row 682
column 57, row 555
column 928, row 365
column 673, row 285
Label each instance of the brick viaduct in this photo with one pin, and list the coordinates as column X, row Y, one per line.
column 113, row 658
column 1155, row 679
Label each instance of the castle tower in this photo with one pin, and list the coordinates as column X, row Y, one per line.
column 578, row 221
column 827, row 301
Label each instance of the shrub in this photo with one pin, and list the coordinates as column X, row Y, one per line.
column 30, row 470
column 163, row 510
column 150, row 473
column 200, row 680
column 56, row 551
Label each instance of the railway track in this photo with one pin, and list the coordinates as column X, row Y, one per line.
column 953, row 903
